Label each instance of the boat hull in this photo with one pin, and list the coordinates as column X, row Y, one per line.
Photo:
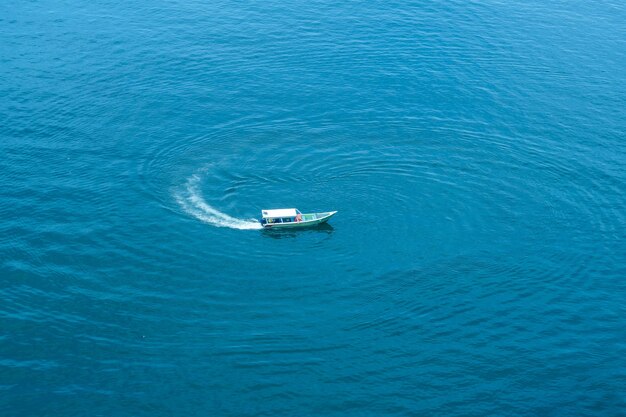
column 308, row 220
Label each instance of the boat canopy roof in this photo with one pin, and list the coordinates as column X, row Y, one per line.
column 290, row 212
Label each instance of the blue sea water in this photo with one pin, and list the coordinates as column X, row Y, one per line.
column 475, row 152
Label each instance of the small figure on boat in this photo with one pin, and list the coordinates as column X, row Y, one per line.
column 293, row 218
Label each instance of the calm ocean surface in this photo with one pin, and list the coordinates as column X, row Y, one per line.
column 476, row 152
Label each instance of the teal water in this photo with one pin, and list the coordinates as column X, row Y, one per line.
column 475, row 152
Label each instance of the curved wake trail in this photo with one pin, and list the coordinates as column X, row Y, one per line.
column 192, row 202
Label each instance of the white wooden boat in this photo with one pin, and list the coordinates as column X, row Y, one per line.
column 287, row 218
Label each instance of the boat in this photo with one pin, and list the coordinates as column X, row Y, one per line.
column 291, row 217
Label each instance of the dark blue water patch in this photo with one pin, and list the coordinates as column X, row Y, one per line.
column 473, row 150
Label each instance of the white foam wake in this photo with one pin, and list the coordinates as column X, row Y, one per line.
column 191, row 201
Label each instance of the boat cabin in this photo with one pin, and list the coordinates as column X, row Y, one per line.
column 291, row 215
